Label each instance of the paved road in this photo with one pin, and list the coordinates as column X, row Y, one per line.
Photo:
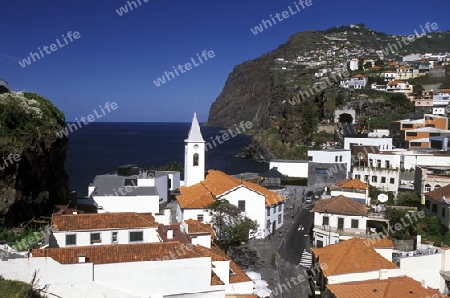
column 297, row 241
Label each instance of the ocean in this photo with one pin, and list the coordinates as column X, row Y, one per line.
column 99, row 148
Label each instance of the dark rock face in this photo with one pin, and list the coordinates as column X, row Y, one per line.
column 32, row 175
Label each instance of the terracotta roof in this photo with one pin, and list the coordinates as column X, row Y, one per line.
column 119, row 253
column 393, row 287
column 215, row 280
column 358, row 76
column 341, row 205
column 216, row 255
column 216, row 184
column 380, row 243
column 404, row 67
column 178, row 235
column 352, row 183
column 197, row 227
column 395, row 82
column 350, row 256
column 439, row 193
column 102, row 221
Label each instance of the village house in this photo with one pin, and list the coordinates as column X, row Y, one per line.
column 340, row 218
column 104, row 268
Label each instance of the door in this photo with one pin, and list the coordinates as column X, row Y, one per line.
column 340, row 224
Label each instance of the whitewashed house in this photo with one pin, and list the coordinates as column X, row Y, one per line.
column 382, row 143
column 131, row 190
column 340, row 218
column 290, row 168
column 353, row 189
column 255, row 202
column 104, row 228
column 332, row 156
column 131, row 269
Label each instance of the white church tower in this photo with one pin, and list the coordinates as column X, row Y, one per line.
column 194, row 155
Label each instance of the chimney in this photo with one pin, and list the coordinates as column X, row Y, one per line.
column 81, row 258
column 383, row 274
column 169, row 234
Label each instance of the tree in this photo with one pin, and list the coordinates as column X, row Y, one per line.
column 231, row 227
column 368, row 65
column 408, row 198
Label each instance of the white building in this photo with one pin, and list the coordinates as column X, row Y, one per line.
column 132, row 270
column 332, row 156
column 131, row 190
column 338, row 218
column 353, row 64
column 255, row 202
column 290, row 168
column 194, row 155
column 381, row 143
column 353, row 189
column 103, row 228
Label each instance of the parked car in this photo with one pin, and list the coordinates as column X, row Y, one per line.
column 309, row 197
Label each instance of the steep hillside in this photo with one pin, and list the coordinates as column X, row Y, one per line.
column 32, row 175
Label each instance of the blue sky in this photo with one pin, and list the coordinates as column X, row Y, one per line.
column 117, row 57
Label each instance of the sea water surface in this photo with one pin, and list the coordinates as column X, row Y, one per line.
column 100, row 147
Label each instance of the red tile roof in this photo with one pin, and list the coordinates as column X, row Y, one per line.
column 352, row 183
column 102, row 221
column 119, row 253
column 341, row 205
column 439, row 193
column 350, row 256
column 393, row 287
column 215, row 184
column 197, row 227
column 178, row 235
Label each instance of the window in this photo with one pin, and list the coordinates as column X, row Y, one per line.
column 195, row 162
column 340, row 158
column 411, row 134
column 378, row 163
column 434, row 208
column 383, row 179
column 241, row 205
column 355, row 224
column 326, row 221
column 366, row 178
column 321, row 171
column 136, row 236
column 268, row 211
column 279, row 218
column 95, row 238
column 435, row 134
column 279, row 208
column 340, row 224
column 310, row 158
column 416, row 144
column 114, row 237
column 374, row 178
column 427, row 187
column 407, row 126
column 437, row 186
column 336, row 158
column 200, row 217
column 391, row 180
column 358, row 177
column 273, row 210
column 429, row 125
column 386, row 164
column 71, row 239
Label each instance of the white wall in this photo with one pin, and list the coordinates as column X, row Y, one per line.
column 331, row 156
column 291, row 168
column 275, row 214
column 138, row 204
column 50, row 271
column 150, row 235
column 361, row 276
column 382, row 143
column 351, row 195
column 157, row 276
column 255, row 207
column 424, row 268
column 430, row 160
column 161, row 187
column 379, row 173
column 203, row 240
column 193, row 213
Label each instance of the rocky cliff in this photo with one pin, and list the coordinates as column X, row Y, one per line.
column 262, row 90
column 32, row 175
